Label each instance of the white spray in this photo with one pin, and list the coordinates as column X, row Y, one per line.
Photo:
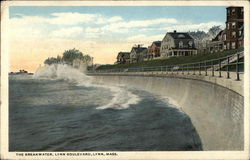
column 122, row 98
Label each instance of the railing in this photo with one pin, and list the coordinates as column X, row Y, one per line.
column 226, row 65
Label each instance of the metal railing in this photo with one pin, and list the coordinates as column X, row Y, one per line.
column 229, row 64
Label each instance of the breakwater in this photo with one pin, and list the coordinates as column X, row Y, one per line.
column 216, row 111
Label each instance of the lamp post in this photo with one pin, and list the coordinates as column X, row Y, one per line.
column 92, row 62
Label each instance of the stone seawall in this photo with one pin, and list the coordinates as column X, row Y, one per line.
column 216, row 112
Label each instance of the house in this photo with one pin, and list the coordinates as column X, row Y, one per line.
column 144, row 55
column 202, row 46
column 235, row 20
column 138, row 53
column 217, row 43
column 123, row 57
column 232, row 37
column 177, row 44
column 154, row 50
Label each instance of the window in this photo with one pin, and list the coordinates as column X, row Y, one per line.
column 190, row 43
column 224, row 47
column 181, row 36
column 180, row 44
column 233, row 11
column 233, row 34
column 233, row 45
column 228, row 26
column 240, row 43
column 240, row 32
column 233, row 25
column 228, row 45
column 242, row 10
column 224, row 37
column 228, row 12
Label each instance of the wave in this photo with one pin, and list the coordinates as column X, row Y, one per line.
column 122, row 97
column 63, row 72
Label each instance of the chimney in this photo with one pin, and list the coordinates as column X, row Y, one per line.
column 174, row 31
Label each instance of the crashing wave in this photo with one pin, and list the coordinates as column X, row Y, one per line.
column 122, row 98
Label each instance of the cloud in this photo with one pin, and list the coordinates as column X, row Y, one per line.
column 103, row 20
column 64, row 18
column 28, row 27
column 67, row 32
column 93, row 32
column 144, row 39
column 125, row 26
column 115, row 19
column 71, row 18
column 193, row 27
column 59, row 25
column 73, row 25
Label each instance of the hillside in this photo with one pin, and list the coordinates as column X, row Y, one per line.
column 172, row 60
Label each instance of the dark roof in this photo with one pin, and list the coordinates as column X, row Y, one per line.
column 180, row 35
column 157, row 43
column 139, row 49
column 216, row 38
column 184, row 37
column 123, row 54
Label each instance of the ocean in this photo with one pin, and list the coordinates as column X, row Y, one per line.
column 59, row 108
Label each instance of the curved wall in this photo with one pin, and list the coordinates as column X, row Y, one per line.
column 215, row 111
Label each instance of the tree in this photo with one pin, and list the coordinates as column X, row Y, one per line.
column 53, row 60
column 86, row 58
column 70, row 55
column 214, row 31
column 198, row 35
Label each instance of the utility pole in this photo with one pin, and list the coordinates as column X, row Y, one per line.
column 92, row 61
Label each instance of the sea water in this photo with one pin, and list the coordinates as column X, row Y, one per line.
column 59, row 108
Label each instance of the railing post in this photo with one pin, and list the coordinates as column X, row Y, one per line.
column 194, row 69
column 212, row 68
column 228, row 74
column 182, row 69
column 200, row 68
column 237, row 67
column 219, row 67
column 205, row 68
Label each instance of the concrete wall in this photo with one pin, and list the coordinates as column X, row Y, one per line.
column 215, row 111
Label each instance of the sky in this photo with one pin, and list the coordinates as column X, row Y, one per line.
column 39, row 32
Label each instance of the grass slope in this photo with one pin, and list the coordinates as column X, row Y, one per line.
column 172, row 60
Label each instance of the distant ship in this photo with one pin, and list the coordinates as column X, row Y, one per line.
column 21, row 72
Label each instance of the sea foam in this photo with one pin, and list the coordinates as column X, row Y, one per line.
column 122, row 98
